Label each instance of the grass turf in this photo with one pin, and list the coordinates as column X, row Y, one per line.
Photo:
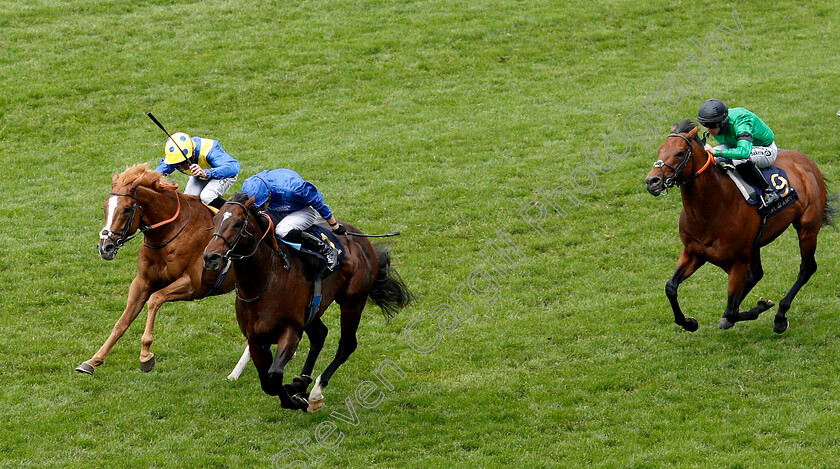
column 441, row 119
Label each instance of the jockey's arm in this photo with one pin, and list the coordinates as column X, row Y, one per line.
column 223, row 165
column 741, row 151
column 164, row 168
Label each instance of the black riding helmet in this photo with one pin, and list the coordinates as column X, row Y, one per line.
column 712, row 111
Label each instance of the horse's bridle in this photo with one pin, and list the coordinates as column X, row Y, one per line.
column 232, row 245
column 672, row 181
column 124, row 236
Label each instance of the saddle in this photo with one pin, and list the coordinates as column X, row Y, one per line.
column 778, row 180
column 213, row 210
column 315, row 262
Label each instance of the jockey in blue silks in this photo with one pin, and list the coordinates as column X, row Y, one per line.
column 294, row 205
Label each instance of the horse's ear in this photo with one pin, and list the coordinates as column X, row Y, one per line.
column 250, row 202
column 114, row 178
column 692, row 133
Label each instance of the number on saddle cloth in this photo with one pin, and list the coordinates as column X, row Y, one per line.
column 778, row 180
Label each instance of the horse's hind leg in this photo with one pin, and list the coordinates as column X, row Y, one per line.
column 138, row 293
column 351, row 313
column 754, row 275
column 317, row 333
column 686, row 265
column 807, row 267
column 736, row 292
column 286, row 346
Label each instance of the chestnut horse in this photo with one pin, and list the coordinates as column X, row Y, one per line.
column 717, row 225
column 274, row 291
column 169, row 265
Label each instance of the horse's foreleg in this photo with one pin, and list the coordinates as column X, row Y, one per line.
column 807, row 267
column 317, row 333
column 180, row 289
column 261, row 356
column 351, row 313
column 138, row 293
column 735, row 292
column 286, row 346
column 686, row 265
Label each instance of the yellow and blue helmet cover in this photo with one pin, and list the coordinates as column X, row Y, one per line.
column 178, row 148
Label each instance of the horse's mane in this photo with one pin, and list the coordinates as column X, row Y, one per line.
column 141, row 175
column 683, row 126
column 687, row 126
column 241, row 198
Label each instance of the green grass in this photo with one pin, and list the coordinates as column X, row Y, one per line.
column 441, row 119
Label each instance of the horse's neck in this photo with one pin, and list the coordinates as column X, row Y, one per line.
column 266, row 265
column 706, row 197
column 160, row 206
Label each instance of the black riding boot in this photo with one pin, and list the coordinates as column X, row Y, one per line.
column 751, row 173
column 321, row 247
column 217, row 203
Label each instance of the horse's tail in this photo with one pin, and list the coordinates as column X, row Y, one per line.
column 389, row 292
column 830, row 209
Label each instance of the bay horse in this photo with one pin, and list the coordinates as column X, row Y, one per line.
column 170, row 267
column 273, row 296
column 718, row 226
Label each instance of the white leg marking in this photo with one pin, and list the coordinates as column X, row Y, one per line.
column 316, row 394
column 243, row 361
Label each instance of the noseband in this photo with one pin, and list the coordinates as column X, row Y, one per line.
column 672, row 181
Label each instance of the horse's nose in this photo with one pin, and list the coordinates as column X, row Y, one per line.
column 212, row 261
column 653, row 184
column 107, row 250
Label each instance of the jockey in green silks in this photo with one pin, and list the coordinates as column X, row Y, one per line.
column 745, row 139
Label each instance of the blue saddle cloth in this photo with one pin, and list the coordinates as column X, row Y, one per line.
column 319, row 262
column 780, row 183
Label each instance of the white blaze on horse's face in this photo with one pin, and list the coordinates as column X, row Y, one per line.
column 112, row 209
column 226, row 216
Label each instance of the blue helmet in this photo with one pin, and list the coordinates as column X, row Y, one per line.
column 257, row 188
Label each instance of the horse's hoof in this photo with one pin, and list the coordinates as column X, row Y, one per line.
column 85, row 368
column 725, row 324
column 766, row 303
column 299, row 403
column 146, row 366
column 315, row 406
column 779, row 327
column 690, row 324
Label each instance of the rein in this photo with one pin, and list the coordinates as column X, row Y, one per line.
column 672, row 181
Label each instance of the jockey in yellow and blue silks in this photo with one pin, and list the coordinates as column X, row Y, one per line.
column 745, row 139
column 294, row 205
column 212, row 170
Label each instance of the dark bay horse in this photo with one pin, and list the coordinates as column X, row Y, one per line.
column 717, row 225
column 169, row 265
column 274, row 291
